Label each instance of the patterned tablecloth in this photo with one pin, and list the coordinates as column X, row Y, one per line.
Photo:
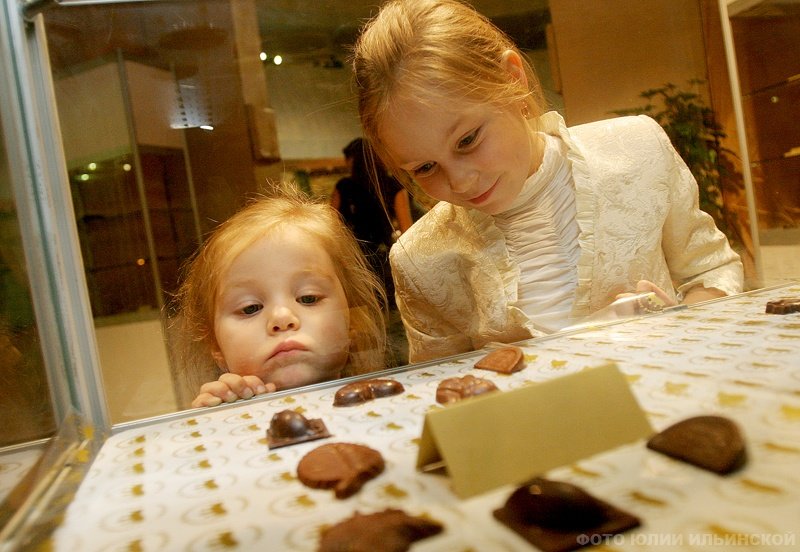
column 207, row 481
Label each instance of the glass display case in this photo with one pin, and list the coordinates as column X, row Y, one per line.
column 212, row 479
column 99, row 206
column 764, row 61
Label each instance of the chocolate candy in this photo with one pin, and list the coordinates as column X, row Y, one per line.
column 391, row 530
column 713, row 443
column 556, row 505
column 455, row 389
column 343, row 467
column 786, row 305
column 556, row 516
column 288, row 427
column 505, row 360
column 366, row 390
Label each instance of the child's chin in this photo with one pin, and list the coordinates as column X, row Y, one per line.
column 299, row 375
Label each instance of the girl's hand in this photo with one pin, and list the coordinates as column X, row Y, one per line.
column 647, row 298
column 230, row 387
column 646, row 286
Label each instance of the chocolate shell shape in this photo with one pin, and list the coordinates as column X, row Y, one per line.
column 452, row 390
column 343, row 467
column 363, row 391
column 391, row 530
column 556, row 505
column 557, row 516
column 713, row 443
column 288, row 427
column 505, row 360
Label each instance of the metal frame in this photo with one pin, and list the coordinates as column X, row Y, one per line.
column 47, row 225
column 726, row 9
column 32, row 7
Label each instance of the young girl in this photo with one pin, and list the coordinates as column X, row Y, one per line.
column 279, row 296
column 538, row 225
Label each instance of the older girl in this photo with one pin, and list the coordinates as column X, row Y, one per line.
column 538, row 225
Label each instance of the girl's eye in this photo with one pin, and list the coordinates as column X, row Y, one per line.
column 423, row 170
column 251, row 309
column 468, row 140
column 307, row 299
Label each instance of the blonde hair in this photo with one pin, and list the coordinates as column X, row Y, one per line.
column 196, row 298
column 422, row 49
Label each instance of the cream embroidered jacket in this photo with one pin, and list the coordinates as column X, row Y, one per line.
column 638, row 214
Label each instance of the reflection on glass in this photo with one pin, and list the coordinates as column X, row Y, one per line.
column 765, row 35
column 26, row 412
column 173, row 113
column 158, row 116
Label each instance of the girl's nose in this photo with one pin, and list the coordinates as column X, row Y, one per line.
column 283, row 319
column 462, row 179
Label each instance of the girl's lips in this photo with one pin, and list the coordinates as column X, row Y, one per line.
column 286, row 348
column 477, row 200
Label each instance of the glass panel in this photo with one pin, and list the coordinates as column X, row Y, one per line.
column 765, row 35
column 26, row 413
column 154, row 122
column 173, row 113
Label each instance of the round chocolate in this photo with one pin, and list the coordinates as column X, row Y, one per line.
column 556, row 505
column 344, row 467
column 288, row 423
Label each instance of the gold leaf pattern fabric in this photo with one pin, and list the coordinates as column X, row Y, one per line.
column 637, row 210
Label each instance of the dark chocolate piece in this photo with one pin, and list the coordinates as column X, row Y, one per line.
column 556, row 516
column 713, row 443
column 288, row 427
column 391, row 530
column 556, row 505
column 785, row 305
column 505, row 361
column 455, row 389
column 343, row 467
column 366, row 390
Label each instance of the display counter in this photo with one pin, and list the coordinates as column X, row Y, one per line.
column 206, row 480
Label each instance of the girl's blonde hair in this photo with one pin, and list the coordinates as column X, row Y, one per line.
column 418, row 49
column 192, row 327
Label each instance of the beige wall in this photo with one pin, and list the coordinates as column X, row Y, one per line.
column 136, row 375
column 607, row 56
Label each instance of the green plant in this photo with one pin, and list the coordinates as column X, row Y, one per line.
column 697, row 136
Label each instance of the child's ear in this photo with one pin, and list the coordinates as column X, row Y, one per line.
column 512, row 64
column 216, row 354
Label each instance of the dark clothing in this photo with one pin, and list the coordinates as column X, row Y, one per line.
column 368, row 209
column 390, row 187
column 363, row 213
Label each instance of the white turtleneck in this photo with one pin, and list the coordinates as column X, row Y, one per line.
column 541, row 234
